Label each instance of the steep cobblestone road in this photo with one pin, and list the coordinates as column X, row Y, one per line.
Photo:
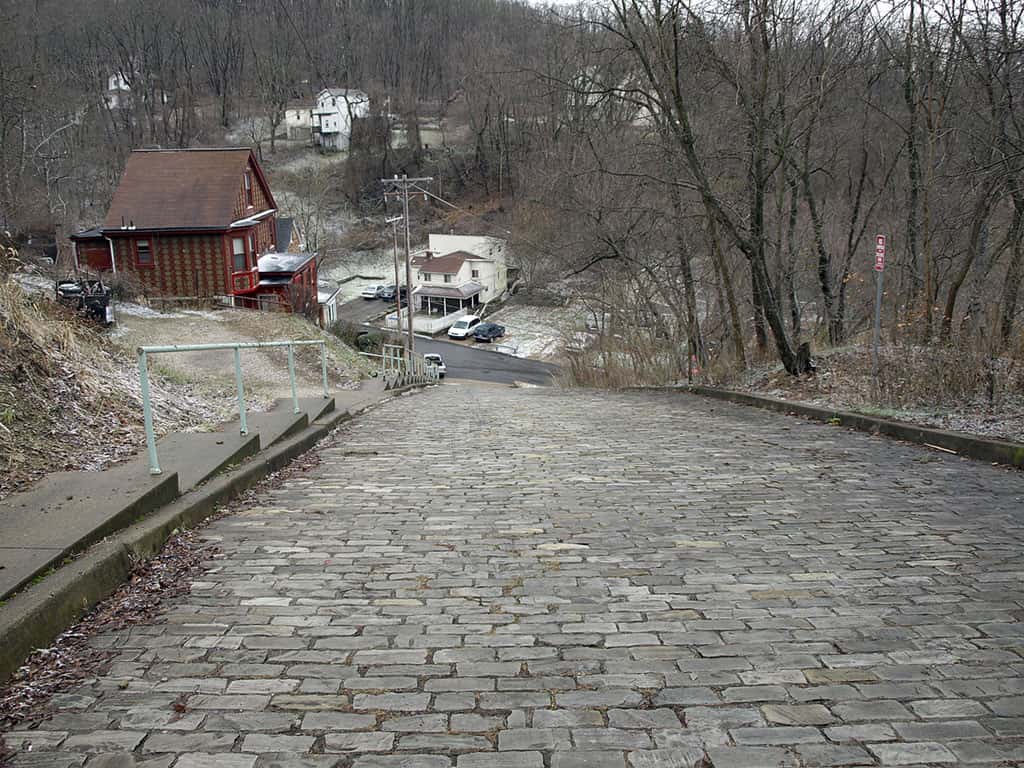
column 497, row 578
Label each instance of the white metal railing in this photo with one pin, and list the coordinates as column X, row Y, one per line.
column 237, row 346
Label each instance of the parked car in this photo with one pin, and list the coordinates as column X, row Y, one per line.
column 372, row 291
column 463, row 327
column 436, row 361
column 388, row 293
column 488, row 332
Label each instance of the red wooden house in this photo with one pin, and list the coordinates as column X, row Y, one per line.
column 196, row 222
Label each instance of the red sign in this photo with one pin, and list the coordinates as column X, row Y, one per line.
column 879, row 253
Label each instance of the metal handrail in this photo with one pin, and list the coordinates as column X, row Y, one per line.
column 237, row 346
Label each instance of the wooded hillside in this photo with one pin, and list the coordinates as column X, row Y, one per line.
column 710, row 176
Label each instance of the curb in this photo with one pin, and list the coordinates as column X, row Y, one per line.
column 978, row 448
column 32, row 618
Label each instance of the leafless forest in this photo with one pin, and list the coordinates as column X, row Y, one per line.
column 709, row 176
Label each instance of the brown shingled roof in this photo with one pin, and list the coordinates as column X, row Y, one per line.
column 448, row 264
column 178, row 189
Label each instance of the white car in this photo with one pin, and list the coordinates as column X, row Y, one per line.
column 436, row 361
column 463, row 327
column 372, row 291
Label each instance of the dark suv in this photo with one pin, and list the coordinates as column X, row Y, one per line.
column 488, row 332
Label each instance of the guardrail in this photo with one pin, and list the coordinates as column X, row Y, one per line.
column 238, row 346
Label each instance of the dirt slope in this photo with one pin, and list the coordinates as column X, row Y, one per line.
column 69, row 392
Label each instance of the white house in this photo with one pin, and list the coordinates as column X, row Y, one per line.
column 454, row 276
column 327, row 297
column 118, row 91
column 333, row 113
column 298, row 122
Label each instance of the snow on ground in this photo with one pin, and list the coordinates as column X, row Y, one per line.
column 539, row 332
column 375, row 266
column 35, row 284
column 309, row 159
column 140, row 310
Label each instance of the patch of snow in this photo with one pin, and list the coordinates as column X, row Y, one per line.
column 138, row 310
column 539, row 332
column 35, row 284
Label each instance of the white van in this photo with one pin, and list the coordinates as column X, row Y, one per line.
column 463, row 327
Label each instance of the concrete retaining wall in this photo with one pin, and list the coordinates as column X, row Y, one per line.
column 982, row 449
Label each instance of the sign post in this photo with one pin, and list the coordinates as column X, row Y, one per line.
column 879, row 274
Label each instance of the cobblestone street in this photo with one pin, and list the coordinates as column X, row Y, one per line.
column 486, row 577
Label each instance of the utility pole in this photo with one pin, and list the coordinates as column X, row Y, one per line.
column 393, row 221
column 400, row 187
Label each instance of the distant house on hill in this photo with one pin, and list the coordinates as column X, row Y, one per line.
column 298, row 122
column 199, row 223
column 333, row 114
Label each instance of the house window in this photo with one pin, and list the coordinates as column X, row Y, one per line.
column 143, row 252
column 252, row 244
column 248, row 189
column 476, row 273
column 426, row 277
column 238, row 254
column 447, row 278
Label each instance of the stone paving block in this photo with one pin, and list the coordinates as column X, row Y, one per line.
column 579, row 759
column 567, row 718
column 129, row 760
column 863, row 732
column 200, row 760
column 267, row 722
column 610, row 738
column 417, row 724
column 39, row 739
column 751, row 757
column 942, row 732
column 643, row 718
column 667, row 758
column 276, row 742
column 444, row 742
column 776, row 735
column 287, row 760
column 474, row 723
column 912, row 753
column 104, row 741
column 359, row 741
column 534, row 739
column 605, row 698
column 501, row 760
column 402, row 761
column 189, row 742
column 945, row 709
column 872, row 710
column 797, row 714
column 392, row 702
column 829, row 755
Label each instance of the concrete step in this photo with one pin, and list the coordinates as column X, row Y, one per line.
column 68, row 511
column 198, row 456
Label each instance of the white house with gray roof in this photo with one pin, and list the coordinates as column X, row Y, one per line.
column 333, row 115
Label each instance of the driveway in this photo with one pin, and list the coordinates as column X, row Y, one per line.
column 604, row 580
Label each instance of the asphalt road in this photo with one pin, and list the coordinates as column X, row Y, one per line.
column 481, row 364
column 475, row 362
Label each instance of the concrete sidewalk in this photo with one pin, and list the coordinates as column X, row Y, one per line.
column 68, row 511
